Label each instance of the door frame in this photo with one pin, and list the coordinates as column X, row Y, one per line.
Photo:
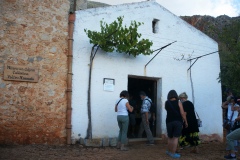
column 157, row 99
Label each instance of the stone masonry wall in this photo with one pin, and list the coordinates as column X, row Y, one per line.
column 34, row 33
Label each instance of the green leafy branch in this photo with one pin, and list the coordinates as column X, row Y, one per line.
column 119, row 38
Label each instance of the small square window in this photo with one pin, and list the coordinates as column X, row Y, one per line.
column 155, row 25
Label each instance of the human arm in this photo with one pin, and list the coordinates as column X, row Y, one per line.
column 234, row 107
column 238, row 118
column 153, row 112
column 129, row 107
column 146, row 109
column 153, row 116
column 146, row 114
column 116, row 106
column 183, row 114
column 225, row 105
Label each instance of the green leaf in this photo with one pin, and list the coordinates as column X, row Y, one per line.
column 123, row 39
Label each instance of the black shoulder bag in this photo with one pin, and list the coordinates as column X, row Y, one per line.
column 236, row 125
column 119, row 101
column 199, row 121
column 227, row 123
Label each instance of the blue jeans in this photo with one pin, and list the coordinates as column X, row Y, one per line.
column 123, row 128
column 232, row 137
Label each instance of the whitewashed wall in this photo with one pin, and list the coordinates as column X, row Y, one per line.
column 172, row 74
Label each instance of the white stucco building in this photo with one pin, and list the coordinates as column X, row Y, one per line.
column 161, row 75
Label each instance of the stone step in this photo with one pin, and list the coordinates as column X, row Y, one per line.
column 111, row 142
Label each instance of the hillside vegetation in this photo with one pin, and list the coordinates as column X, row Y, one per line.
column 226, row 31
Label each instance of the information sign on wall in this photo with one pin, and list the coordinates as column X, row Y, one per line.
column 108, row 84
column 20, row 73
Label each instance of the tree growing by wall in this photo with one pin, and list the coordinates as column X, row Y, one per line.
column 119, row 38
column 230, row 57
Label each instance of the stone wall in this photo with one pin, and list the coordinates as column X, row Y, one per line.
column 34, row 33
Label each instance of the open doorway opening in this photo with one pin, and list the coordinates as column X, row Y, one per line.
column 135, row 85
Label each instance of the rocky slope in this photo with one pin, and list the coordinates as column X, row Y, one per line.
column 92, row 4
column 211, row 26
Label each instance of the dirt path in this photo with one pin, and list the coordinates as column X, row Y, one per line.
column 137, row 151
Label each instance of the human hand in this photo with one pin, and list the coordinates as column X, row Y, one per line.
column 154, row 118
column 147, row 122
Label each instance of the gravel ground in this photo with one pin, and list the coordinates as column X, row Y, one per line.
column 138, row 151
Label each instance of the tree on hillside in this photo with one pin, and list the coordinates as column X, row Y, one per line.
column 119, row 38
column 230, row 57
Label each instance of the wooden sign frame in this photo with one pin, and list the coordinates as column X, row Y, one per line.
column 20, row 73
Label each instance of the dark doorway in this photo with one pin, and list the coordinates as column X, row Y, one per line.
column 135, row 85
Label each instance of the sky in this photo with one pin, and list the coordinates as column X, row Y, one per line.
column 213, row 8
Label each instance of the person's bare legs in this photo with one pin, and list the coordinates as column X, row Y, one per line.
column 169, row 144
column 172, row 144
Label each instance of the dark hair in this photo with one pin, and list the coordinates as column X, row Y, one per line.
column 172, row 94
column 234, row 98
column 142, row 93
column 228, row 91
column 124, row 93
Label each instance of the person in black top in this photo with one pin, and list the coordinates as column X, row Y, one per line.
column 132, row 117
column 174, row 122
column 189, row 134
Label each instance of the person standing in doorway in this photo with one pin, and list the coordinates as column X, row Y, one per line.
column 122, row 106
column 132, row 117
column 174, row 122
column 146, row 115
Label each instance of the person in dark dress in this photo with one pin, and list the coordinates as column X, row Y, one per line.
column 189, row 134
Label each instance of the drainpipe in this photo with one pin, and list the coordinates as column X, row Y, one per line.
column 71, row 20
